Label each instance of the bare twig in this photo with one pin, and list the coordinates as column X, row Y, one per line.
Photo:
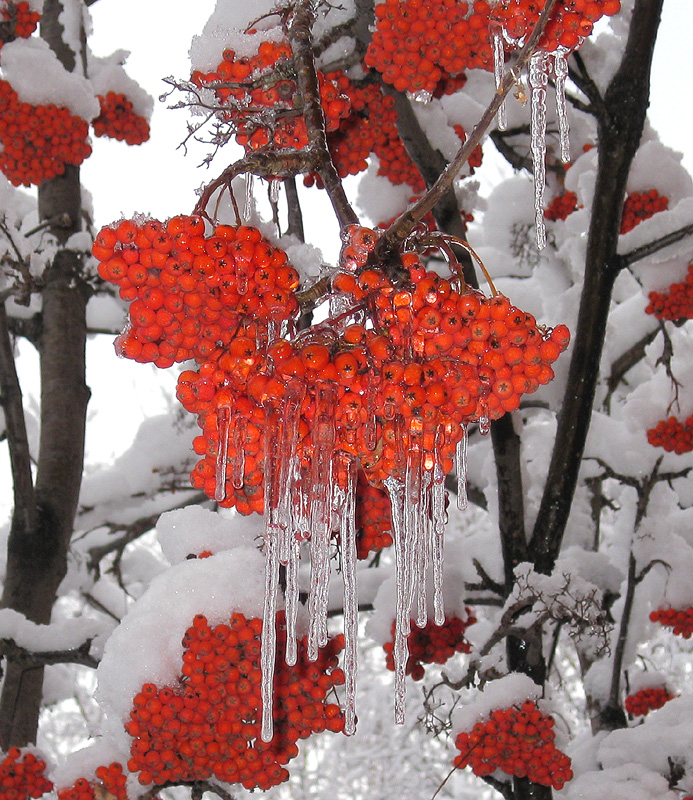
column 40, row 658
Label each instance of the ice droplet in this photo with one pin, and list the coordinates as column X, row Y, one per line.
column 560, row 69
column 538, row 78
column 223, row 417
column 268, row 641
column 347, row 535
column 498, row 70
column 461, row 470
column 274, row 191
column 484, row 425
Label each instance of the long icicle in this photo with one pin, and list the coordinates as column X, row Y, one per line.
column 499, row 70
column 396, row 491
column 538, row 79
column 268, row 642
column 288, row 467
column 291, row 600
column 461, row 470
column 438, row 530
column 347, row 535
column 422, row 539
column 560, row 70
column 223, row 420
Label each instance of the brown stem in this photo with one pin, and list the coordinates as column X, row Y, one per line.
column 301, row 41
column 654, row 247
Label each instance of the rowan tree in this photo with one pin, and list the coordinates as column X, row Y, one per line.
column 487, row 445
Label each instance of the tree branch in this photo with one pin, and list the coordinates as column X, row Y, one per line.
column 29, row 659
column 653, row 247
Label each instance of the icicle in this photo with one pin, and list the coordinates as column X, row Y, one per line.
column 274, row 191
column 238, row 470
column 538, row 78
column 371, row 400
column 396, row 492
column 272, row 465
column 498, row 70
column 347, row 536
column 321, row 490
column 560, row 69
column 291, row 600
column 288, row 468
column 268, row 642
column 248, row 205
column 421, row 538
column 223, row 416
column 438, row 531
column 461, row 470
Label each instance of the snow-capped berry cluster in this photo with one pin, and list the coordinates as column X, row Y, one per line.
column 679, row 620
column 645, row 700
column 17, row 20
column 38, row 141
column 432, row 644
column 208, row 723
column 570, row 22
column 561, row 206
column 674, row 436
column 519, row 741
column 262, row 103
column 640, row 206
column 416, row 45
column 675, row 304
column 189, row 290
column 22, row 775
column 373, row 518
column 118, row 120
column 109, row 781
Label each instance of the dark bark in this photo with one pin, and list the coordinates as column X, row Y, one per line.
column 37, row 550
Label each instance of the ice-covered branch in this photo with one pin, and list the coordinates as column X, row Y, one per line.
column 301, row 41
column 40, row 658
column 654, row 247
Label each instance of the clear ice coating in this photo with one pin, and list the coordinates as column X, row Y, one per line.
column 248, row 202
column 461, row 470
column 268, row 644
column 538, row 79
column 223, row 421
column 498, row 70
column 560, row 71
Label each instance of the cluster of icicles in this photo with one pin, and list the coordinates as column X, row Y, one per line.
column 329, row 504
column 541, row 64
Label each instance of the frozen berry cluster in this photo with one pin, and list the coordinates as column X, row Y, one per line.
column 640, row 206
column 679, row 620
column 432, row 644
column 259, row 98
column 373, row 518
column 645, row 700
column 519, row 741
column 118, row 120
column 561, row 206
column 38, row 141
column 208, row 723
column 675, row 304
column 22, row 775
column 17, row 20
column 189, row 290
column 674, row 436
column 109, row 781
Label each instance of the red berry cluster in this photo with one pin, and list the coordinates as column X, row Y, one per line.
column 38, row 141
column 17, row 20
column 21, row 779
column 646, row 700
column 208, row 724
column 418, row 43
column 675, row 304
column 261, row 103
column 561, row 206
column 672, row 435
column 571, row 20
column 432, row 644
column 437, row 359
column 191, row 291
column 679, row 620
column 373, row 518
column 118, row 120
column 640, row 206
column 518, row 741
column 370, row 127
column 110, row 781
